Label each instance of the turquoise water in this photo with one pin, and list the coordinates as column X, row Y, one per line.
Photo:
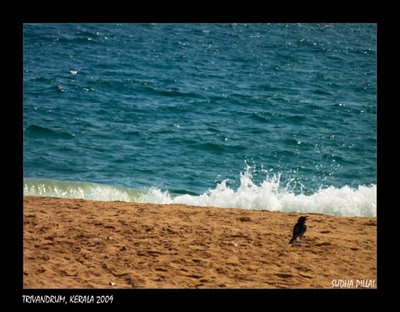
column 257, row 116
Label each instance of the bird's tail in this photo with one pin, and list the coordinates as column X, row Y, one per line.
column 291, row 241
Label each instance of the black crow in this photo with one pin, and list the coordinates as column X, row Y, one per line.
column 299, row 229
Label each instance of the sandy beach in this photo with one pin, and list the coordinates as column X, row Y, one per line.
column 74, row 243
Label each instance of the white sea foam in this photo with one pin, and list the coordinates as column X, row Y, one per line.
column 270, row 195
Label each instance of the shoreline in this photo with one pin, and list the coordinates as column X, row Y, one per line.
column 76, row 243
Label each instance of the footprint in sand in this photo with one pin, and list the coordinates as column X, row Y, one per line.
column 111, row 227
column 323, row 244
column 305, row 275
column 161, row 269
column 194, row 276
column 284, row 275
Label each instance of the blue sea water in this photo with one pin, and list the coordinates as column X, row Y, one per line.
column 256, row 116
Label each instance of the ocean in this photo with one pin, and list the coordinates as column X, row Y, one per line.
column 255, row 116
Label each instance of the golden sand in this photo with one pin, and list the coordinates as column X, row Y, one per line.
column 74, row 243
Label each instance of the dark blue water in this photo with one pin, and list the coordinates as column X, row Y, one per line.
column 262, row 116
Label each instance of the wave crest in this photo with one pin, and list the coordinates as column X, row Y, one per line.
column 271, row 195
